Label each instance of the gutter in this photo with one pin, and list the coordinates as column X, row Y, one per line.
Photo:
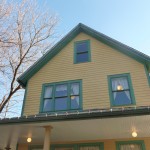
column 79, row 115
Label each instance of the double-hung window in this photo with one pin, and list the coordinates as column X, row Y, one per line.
column 120, row 89
column 61, row 96
column 82, row 51
column 130, row 145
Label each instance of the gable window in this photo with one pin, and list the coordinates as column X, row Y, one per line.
column 82, row 51
column 61, row 96
column 120, row 89
column 130, row 145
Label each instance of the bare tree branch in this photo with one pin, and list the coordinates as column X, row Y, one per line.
column 26, row 33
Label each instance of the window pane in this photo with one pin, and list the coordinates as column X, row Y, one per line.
column 89, row 148
column 122, row 98
column 131, row 147
column 48, row 92
column 82, row 57
column 48, row 105
column 122, row 82
column 61, row 90
column 74, row 102
column 75, row 89
column 61, row 103
column 82, row 47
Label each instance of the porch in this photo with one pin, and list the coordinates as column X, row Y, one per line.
column 88, row 130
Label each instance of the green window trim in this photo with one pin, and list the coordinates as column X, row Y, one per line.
column 75, row 146
column 147, row 74
column 24, row 100
column 140, row 142
column 68, row 95
column 88, row 50
column 109, row 77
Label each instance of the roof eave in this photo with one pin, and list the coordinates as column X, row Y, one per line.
column 87, row 114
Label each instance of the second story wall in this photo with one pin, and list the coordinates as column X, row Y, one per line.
column 105, row 61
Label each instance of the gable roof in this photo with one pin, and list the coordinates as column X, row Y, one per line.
column 135, row 54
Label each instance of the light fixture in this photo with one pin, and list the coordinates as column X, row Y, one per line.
column 119, row 87
column 134, row 134
column 72, row 97
column 29, row 140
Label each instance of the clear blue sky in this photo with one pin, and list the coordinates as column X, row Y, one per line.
column 127, row 21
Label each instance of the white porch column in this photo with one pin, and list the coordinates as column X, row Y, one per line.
column 47, row 138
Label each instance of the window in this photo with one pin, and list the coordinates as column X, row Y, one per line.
column 120, row 90
column 147, row 71
column 61, row 96
column 82, row 51
column 89, row 146
column 84, row 146
column 130, row 145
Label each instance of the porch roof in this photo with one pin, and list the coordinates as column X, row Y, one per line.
column 88, row 125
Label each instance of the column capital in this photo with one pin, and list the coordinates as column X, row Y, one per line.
column 48, row 127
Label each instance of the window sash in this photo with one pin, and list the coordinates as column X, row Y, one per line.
column 79, row 56
column 130, row 147
column 127, row 89
column 68, row 98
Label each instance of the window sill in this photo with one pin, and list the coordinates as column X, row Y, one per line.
column 81, row 62
column 127, row 105
column 60, row 111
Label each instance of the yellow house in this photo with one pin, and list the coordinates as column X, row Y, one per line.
column 89, row 92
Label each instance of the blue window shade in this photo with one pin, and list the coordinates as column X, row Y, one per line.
column 61, row 90
column 61, row 103
column 122, row 98
column 82, row 47
column 82, row 51
column 82, row 57
column 48, row 105
column 61, row 97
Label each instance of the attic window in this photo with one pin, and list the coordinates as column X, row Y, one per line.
column 82, row 51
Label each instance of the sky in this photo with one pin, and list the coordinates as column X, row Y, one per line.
column 127, row 21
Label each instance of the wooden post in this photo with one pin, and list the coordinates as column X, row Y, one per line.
column 7, row 148
column 47, row 138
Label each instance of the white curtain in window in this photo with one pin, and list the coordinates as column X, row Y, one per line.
column 75, row 89
column 89, row 148
column 62, row 87
column 120, row 81
column 48, row 92
column 130, row 147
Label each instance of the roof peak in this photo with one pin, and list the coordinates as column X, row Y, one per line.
column 139, row 56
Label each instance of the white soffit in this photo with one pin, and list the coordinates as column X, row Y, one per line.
column 93, row 129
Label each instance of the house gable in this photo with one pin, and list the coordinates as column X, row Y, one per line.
column 69, row 37
column 95, row 94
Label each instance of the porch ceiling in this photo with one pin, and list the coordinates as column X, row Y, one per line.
column 88, row 129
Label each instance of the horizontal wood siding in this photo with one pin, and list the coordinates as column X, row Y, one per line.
column 108, row 144
column 104, row 61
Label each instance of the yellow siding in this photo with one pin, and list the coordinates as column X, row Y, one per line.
column 108, row 144
column 104, row 61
